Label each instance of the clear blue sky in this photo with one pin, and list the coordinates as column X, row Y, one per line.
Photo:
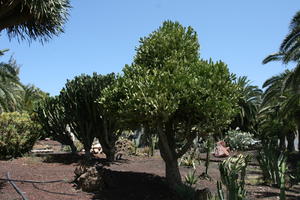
column 101, row 37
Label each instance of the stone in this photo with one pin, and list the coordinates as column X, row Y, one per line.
column 93, row 178
column 221, row 150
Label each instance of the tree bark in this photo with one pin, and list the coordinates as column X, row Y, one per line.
column 173, row 174
column 109, row 152
column 290, row 136
column 169, row 156
column 282, row 142
column 73, row 147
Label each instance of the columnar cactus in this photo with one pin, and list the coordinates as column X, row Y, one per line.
column 51, row 116
column 86, row 117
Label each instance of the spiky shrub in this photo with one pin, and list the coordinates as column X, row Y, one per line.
column 233, row 172
column 188, row 159
column 87, row 118
column 51, row 115
column 18, row 133
column 270, row 161
column 191, row 178
column 237, row 139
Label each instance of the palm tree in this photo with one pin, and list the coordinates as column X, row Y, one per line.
column 31, row 97
column 249, row 101
column 33, row 19
column 284, row 104
column 289, row 51
column 10, row 87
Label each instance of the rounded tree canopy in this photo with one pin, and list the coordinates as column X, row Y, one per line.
column 33, row 19
column 168, row 81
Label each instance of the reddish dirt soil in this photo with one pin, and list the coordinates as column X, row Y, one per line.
column 135, row 178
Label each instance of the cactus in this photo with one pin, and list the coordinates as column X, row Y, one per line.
column 282, row 169
column 87, row 118
column 233, row 172
column 191, row 178
column 51, row 115
column 271, row 162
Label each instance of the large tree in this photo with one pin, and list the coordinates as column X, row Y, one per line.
column 32, row 19
column 169, row 89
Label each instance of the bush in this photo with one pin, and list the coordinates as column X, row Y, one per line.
column 237, row 139
column 18, row 133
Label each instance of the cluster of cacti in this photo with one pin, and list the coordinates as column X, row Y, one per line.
column 274, row 167
column 233, row 172
column 270, row 162
column 51, row 115
column 86, row 117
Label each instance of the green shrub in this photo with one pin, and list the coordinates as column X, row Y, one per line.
column 233, row 172
column 237, row 139
column 18, row 133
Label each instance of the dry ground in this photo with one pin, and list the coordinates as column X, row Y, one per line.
column 136, row 178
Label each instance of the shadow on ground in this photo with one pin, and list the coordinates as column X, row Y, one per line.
column 275, row 194
column 136, row 186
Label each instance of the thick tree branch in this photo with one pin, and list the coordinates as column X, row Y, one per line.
column 164, row 143
column 187, row 145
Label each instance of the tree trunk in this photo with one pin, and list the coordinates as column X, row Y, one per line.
column 169, row 156
column 73, row 147
column 173, row 174
column 290, row 136
column 109, row 152
column 298, row 139
column 282, row 142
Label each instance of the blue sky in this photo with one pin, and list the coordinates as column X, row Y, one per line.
column 101, row 37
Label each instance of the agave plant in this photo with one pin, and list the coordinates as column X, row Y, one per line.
column 233, row 172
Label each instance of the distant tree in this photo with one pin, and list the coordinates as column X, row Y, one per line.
column 10, row 87
column 31, row 19
column 169, row 89
column 31, row 97
column 248, row 102
column 87, row 118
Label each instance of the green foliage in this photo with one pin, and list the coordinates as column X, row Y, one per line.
column 191, row 178
column 10, row 87
column 18, row 133
column 174, row 92
column 273, row 164
column 188, row 159
column 32, row 20
column 85, row 116
column 233, row 172
column 51, row 115
column 248, row 105
column 31, row 97
column 236, row 139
